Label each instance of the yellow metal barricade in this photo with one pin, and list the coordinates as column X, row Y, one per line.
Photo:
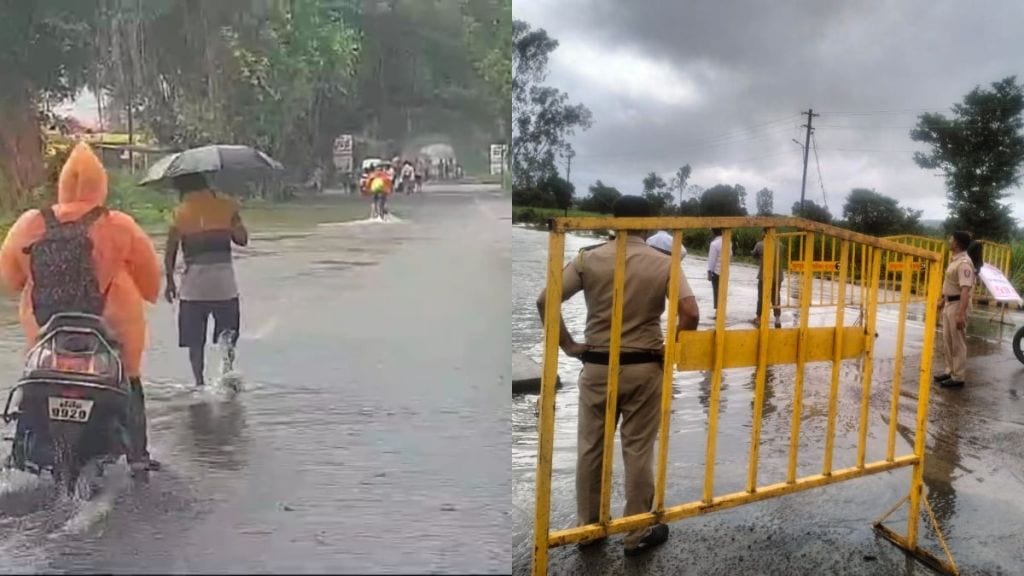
column 826, row 266
column 918, row 269
column 994, row 253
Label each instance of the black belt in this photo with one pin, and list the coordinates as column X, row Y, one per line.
column 952, row 298
column 624, row 358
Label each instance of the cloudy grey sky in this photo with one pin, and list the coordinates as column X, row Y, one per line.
column 720, row 85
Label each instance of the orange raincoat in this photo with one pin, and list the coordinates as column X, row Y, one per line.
column 125, row 262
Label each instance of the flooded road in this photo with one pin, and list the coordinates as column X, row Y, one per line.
column 372, row 431
column 974, row 472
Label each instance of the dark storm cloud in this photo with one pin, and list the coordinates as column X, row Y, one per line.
column 719, row 85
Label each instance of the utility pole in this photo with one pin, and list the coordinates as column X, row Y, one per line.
column 807, row 143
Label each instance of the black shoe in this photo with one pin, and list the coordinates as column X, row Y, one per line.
column 950, row 383
column 942, row 378
column 658, row 536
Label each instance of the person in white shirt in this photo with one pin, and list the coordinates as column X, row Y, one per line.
column 715, row 265
column 662, row 242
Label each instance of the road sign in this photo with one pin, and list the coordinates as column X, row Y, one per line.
column 498, row 152
column 998, row 285
column 343, row 153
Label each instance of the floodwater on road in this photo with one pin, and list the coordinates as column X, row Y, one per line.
column 974, row 471
column 370, row 435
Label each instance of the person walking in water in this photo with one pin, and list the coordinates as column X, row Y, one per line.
column 715, row 266
column 758, row 255
column 205, row 226
column 640, row 372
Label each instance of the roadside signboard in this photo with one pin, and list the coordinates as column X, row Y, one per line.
column 497, row 159
column 343, row 153
column 1000, row 288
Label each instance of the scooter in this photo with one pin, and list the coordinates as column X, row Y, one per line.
column 72, row 404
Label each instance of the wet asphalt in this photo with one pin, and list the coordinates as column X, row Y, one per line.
column 372, row 428
column 974, row 472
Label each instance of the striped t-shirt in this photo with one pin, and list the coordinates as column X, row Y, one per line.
column 203, row 221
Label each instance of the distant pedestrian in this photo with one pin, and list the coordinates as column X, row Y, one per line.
column 758, row 255
column 715, row 265
column 957, row 284
column 640, row 367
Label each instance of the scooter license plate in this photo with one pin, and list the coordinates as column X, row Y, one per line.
column 70, row 409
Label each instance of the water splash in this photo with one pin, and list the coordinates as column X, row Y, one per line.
column 391, row 219
column 229, row 378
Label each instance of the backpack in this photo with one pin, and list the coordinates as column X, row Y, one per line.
column 974, row 251
column 63, row 274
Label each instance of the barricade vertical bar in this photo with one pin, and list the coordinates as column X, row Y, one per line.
column 801, row 354
column 767, row 282
column 897, row 371
column 864, row 273
column 546, row 433
column 832, row 276
column 668, row 371
column 837, row 358
column 716, row 373
column 611, row 403
column 869, row 355
column 923, row 391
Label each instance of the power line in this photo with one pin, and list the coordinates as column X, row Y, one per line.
column 814, row 144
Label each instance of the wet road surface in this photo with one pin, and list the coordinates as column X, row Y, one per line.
column 372, row 430
column 974, row 472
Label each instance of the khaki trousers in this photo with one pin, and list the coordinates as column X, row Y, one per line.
column 954, row 342
column 639, row 403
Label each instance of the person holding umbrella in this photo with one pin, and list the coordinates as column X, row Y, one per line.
column 205, row 226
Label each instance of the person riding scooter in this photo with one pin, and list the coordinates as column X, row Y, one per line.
column 106, row 265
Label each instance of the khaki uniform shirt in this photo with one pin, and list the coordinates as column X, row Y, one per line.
column 959, row 274
column 646, row 290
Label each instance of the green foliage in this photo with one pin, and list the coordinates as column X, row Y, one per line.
column 980, row 150
column 657, row 192
column 543, row 119
column 723, row 200
column 489, row 37
column 148, row 205
column 559, row 189
column 601, row 198
column 875, row 214
column 812, row 211
column 1016, row 275
column 765, row 202
column 44, row 46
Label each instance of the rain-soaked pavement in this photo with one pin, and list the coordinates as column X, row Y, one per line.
column 974, row 471
column 372, row 430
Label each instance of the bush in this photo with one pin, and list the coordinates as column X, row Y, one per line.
column 1017, row 267
column 148, row 205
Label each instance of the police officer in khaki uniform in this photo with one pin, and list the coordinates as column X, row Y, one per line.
column 956, row 301
column 640, row 372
